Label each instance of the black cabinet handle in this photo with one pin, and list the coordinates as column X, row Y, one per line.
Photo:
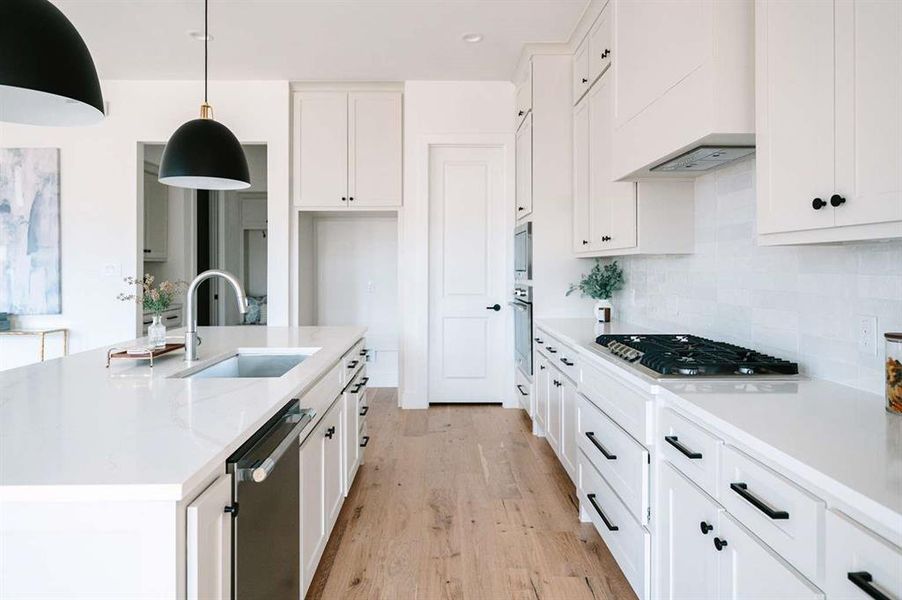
column 720, row 544
column 364, row 410
column 569, row 363
column 520, row 113
column 539, row 340
column 585, row 80
column 541, row 367
column 743, row 490
column 818, row 204
column 585, row 242
column 602, row 449
column 495, row 307
column 353, row 364
column 674, row 441
column 146, row 251
column 601, row 514
column 366, row 440
column 172, row 317
column 705, row 528
column 232, row 509
column 557, row 383
column 605, row 238
column 520, row 388
column 550, row 349
column 364, row 352
column 330, row 432
column 862, row 580
column 836, row 200
column 606, row 53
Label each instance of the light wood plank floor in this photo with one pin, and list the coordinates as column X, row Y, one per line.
column 462, row 502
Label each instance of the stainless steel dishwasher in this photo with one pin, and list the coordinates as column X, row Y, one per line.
column 266, row 509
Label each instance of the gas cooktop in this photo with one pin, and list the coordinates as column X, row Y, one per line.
column 683, row 355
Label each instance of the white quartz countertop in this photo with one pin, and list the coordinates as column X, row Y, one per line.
column 838, row 438
column 72, row 429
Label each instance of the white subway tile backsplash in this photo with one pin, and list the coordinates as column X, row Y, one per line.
column 798, row 302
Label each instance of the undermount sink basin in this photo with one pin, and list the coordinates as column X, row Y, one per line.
column 252, row 363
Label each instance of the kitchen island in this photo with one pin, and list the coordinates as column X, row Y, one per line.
column 99, row 465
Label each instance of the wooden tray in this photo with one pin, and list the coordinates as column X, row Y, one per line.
column 122, row 353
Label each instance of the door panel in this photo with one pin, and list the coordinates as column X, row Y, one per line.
column 568, row 427
column 321, row 148
column 313, row 522
column 332, row 466
column 555, row 397
column 466, row 259
column 869, row 111
column 795, row 128
column 209, row 542
column 581, row 178
column 374, row 149
column 543, row 380
column 688, row 556
column 524, row 168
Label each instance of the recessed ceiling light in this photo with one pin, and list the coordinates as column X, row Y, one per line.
column 200, row 36
column 472, row 38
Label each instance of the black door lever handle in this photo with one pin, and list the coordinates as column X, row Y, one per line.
column 495, row 307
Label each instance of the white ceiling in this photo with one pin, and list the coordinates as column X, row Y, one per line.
column 369, row 40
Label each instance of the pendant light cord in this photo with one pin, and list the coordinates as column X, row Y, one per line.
column 206, row 42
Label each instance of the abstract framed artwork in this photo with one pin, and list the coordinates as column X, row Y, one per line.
column 30, row 231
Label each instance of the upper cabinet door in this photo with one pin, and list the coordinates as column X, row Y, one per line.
column 868, row 111
column 524, row 94
column 601, row 45
column 374, row 151
column 321, row 149
column 524, row 168
column 795, row 114
column 581, row 178
column 581, row 71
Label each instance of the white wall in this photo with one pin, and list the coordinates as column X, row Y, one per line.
column 357, row 284
column 436, row 110
column 798, row 302
column 99, row 187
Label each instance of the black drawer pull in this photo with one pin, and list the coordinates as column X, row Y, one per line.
column 675, row 442
column 567, row 362
column 353, row 364
column 601, row 514
column 743, row 490
column 364, row 410
column 330, row 432
column 705, row 527
column 171, row 317
column 602, row 449
column 364, row 352
column 360, row 385
column 550, row 349
column 862, row 580
column 720, row 544
column 520, row 388
column 366, row 440
column 539, row 340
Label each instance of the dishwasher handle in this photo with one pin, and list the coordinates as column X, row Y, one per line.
column 259, row 473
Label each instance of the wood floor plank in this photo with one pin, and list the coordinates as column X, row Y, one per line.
column 462, row 503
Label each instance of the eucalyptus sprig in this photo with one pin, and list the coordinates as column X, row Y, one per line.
column 601, row 282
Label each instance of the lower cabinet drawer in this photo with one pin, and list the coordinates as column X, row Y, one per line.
column 618, row 457
column 632, row 409
column 859, row 563
column 786, row 517
column 353, row 360
column 628, row 541
column 691, row 449
column 524, row 394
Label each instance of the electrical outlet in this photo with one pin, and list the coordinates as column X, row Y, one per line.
column 867, row 335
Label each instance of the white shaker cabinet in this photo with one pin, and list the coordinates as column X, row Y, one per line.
column 209, row 542
column 333, row 468
column 581, row 79
column 524, row 168
column 601, row 44
column 347, row 149
column 581, row 237
column 542, row 390
column 688, row 523
column 860, row 564
column 829, row 127
column 313, row 513
column 555, row 397
column 523, row 93
column 568, row 446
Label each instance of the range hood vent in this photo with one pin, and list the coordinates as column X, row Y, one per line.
column 704, row 158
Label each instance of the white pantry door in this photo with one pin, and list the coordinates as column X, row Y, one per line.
column 467, row 238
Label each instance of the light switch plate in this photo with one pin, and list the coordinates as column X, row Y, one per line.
column 867, row 335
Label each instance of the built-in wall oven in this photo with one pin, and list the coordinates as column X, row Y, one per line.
column 523, row 252
column 522, row 305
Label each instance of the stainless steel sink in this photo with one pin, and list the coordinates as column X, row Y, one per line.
column 251, row 363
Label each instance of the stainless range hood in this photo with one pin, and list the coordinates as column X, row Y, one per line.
column 703, row 158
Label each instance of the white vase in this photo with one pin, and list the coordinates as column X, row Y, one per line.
column 603, row 311
column 156, row 333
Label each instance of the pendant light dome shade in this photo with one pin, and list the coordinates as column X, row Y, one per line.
column 47, row 75
column 204, row 154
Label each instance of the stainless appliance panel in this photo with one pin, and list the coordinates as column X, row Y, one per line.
column 266, row 509
column 523, row 252
column 522, row 305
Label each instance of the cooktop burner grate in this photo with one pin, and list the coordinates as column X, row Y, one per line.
column 689, row 355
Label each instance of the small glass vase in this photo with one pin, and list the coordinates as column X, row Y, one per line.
column 156, row 332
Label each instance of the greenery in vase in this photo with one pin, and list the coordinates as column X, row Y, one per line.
column 601, row 282
column 153, row 299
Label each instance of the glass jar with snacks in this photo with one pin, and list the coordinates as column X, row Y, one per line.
column 894, row 372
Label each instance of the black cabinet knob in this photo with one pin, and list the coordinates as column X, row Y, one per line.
column 585, row 80
column 836, row 200
column 344, row 198
column 519, row 113
column 720, row 544
column 605, row 238
column 818, row 204
column 519, row 208
column 606, row 53
column 706, row 528
column 351, row 198
column 585, row 242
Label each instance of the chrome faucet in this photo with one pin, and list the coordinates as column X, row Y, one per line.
column 191, row 338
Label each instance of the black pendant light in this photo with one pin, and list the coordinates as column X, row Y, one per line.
column 47, row 76
column 203, row 154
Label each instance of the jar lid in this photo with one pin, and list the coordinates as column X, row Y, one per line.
column 893, row 337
